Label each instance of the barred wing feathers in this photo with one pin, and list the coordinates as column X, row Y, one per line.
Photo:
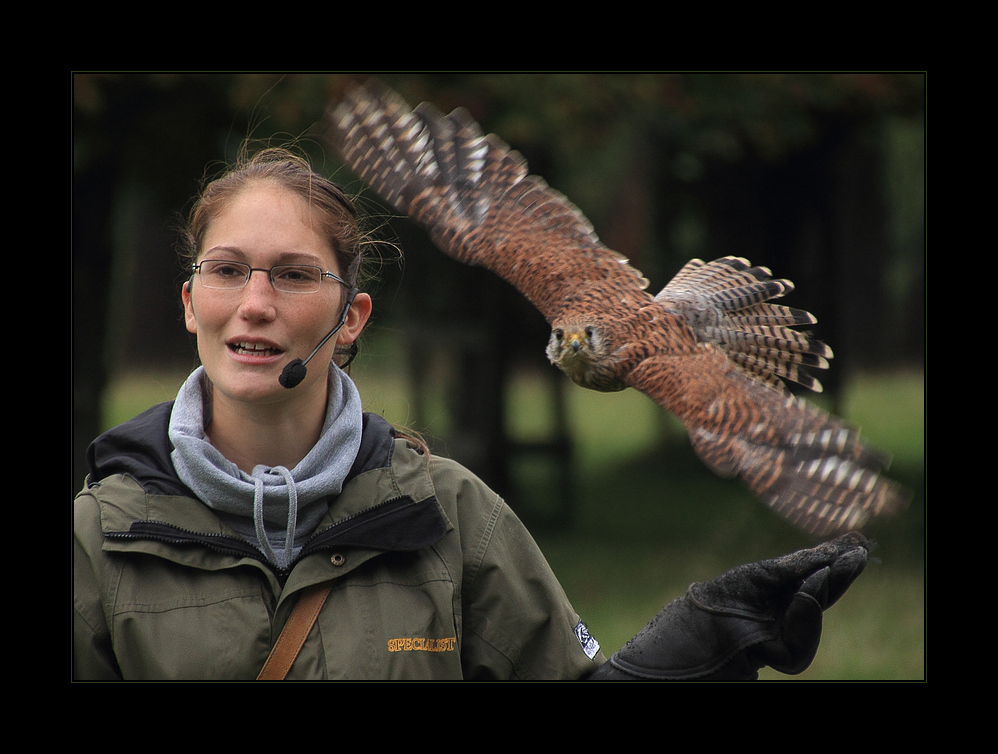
column 475, row 198
column 807, row 465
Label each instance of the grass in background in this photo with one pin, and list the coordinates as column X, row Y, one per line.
column 129, row 394
column 650, row 519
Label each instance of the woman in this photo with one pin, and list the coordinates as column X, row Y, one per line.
column 206, row 520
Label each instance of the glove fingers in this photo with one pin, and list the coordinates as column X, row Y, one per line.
column 801, row 629
column 763, row 589
column 800, row 634
column 816, row 586
column 828, row 584
column 843, row 572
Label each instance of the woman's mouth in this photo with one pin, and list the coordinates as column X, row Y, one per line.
column 247, row 348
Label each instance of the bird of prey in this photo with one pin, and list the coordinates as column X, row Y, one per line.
column 711, row 347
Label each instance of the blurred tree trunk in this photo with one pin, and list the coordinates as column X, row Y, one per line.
column 819, row 218
column 93, row 192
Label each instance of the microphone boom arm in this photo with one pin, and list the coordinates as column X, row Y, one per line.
column 295, row 371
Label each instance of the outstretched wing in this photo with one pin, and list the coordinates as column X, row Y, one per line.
column 474, row 196
column 806, row 464
column 712, row 347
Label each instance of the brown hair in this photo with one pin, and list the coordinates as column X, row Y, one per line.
column 331, row 208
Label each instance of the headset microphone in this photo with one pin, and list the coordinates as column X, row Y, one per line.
column 295, row 371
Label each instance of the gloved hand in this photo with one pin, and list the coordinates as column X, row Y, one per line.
column 766, row 613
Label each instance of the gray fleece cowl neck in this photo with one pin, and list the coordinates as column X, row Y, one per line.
column 274, row 508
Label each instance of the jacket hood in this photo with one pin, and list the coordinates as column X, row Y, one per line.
column 141, row 449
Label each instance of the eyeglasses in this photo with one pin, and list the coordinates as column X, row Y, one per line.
column 291, row 278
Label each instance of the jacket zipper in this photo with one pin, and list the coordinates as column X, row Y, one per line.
column 222, row 543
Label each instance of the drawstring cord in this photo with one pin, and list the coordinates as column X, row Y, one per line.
column 261, row 529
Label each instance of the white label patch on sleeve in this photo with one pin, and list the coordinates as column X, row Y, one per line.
column 589, row 644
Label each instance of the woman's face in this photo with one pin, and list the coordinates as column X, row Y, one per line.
column 245, row 337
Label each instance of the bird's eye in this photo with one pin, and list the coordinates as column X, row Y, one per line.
column 589, row 332
column 559, row 333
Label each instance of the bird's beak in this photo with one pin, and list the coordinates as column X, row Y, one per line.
column 575, row 342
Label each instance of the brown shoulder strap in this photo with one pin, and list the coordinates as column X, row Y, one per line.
column 295, row 631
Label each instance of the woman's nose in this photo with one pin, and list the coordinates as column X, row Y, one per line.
column 258, row 294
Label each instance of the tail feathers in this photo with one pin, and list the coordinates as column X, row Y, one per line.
column 769, row 353
column 720, row 275
column 772, row 315
column 726, row 302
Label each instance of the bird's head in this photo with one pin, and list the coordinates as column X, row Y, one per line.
column 582, row 351
column 573, row 343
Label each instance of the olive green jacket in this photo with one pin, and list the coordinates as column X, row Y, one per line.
column 433, row 577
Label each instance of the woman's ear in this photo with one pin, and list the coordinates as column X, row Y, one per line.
column 360, row 312
column 189, row 318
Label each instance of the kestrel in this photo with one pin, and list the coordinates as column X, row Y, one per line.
column 710, row 348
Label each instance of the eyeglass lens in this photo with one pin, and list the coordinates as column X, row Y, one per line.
column 293, row 278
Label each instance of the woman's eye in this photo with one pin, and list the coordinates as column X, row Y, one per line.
column 292, row 274
column 221, row 270
column 297, row 278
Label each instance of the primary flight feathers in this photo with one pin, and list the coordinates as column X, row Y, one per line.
column 710, row 347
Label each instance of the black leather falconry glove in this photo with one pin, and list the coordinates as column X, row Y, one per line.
column 766, row 613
